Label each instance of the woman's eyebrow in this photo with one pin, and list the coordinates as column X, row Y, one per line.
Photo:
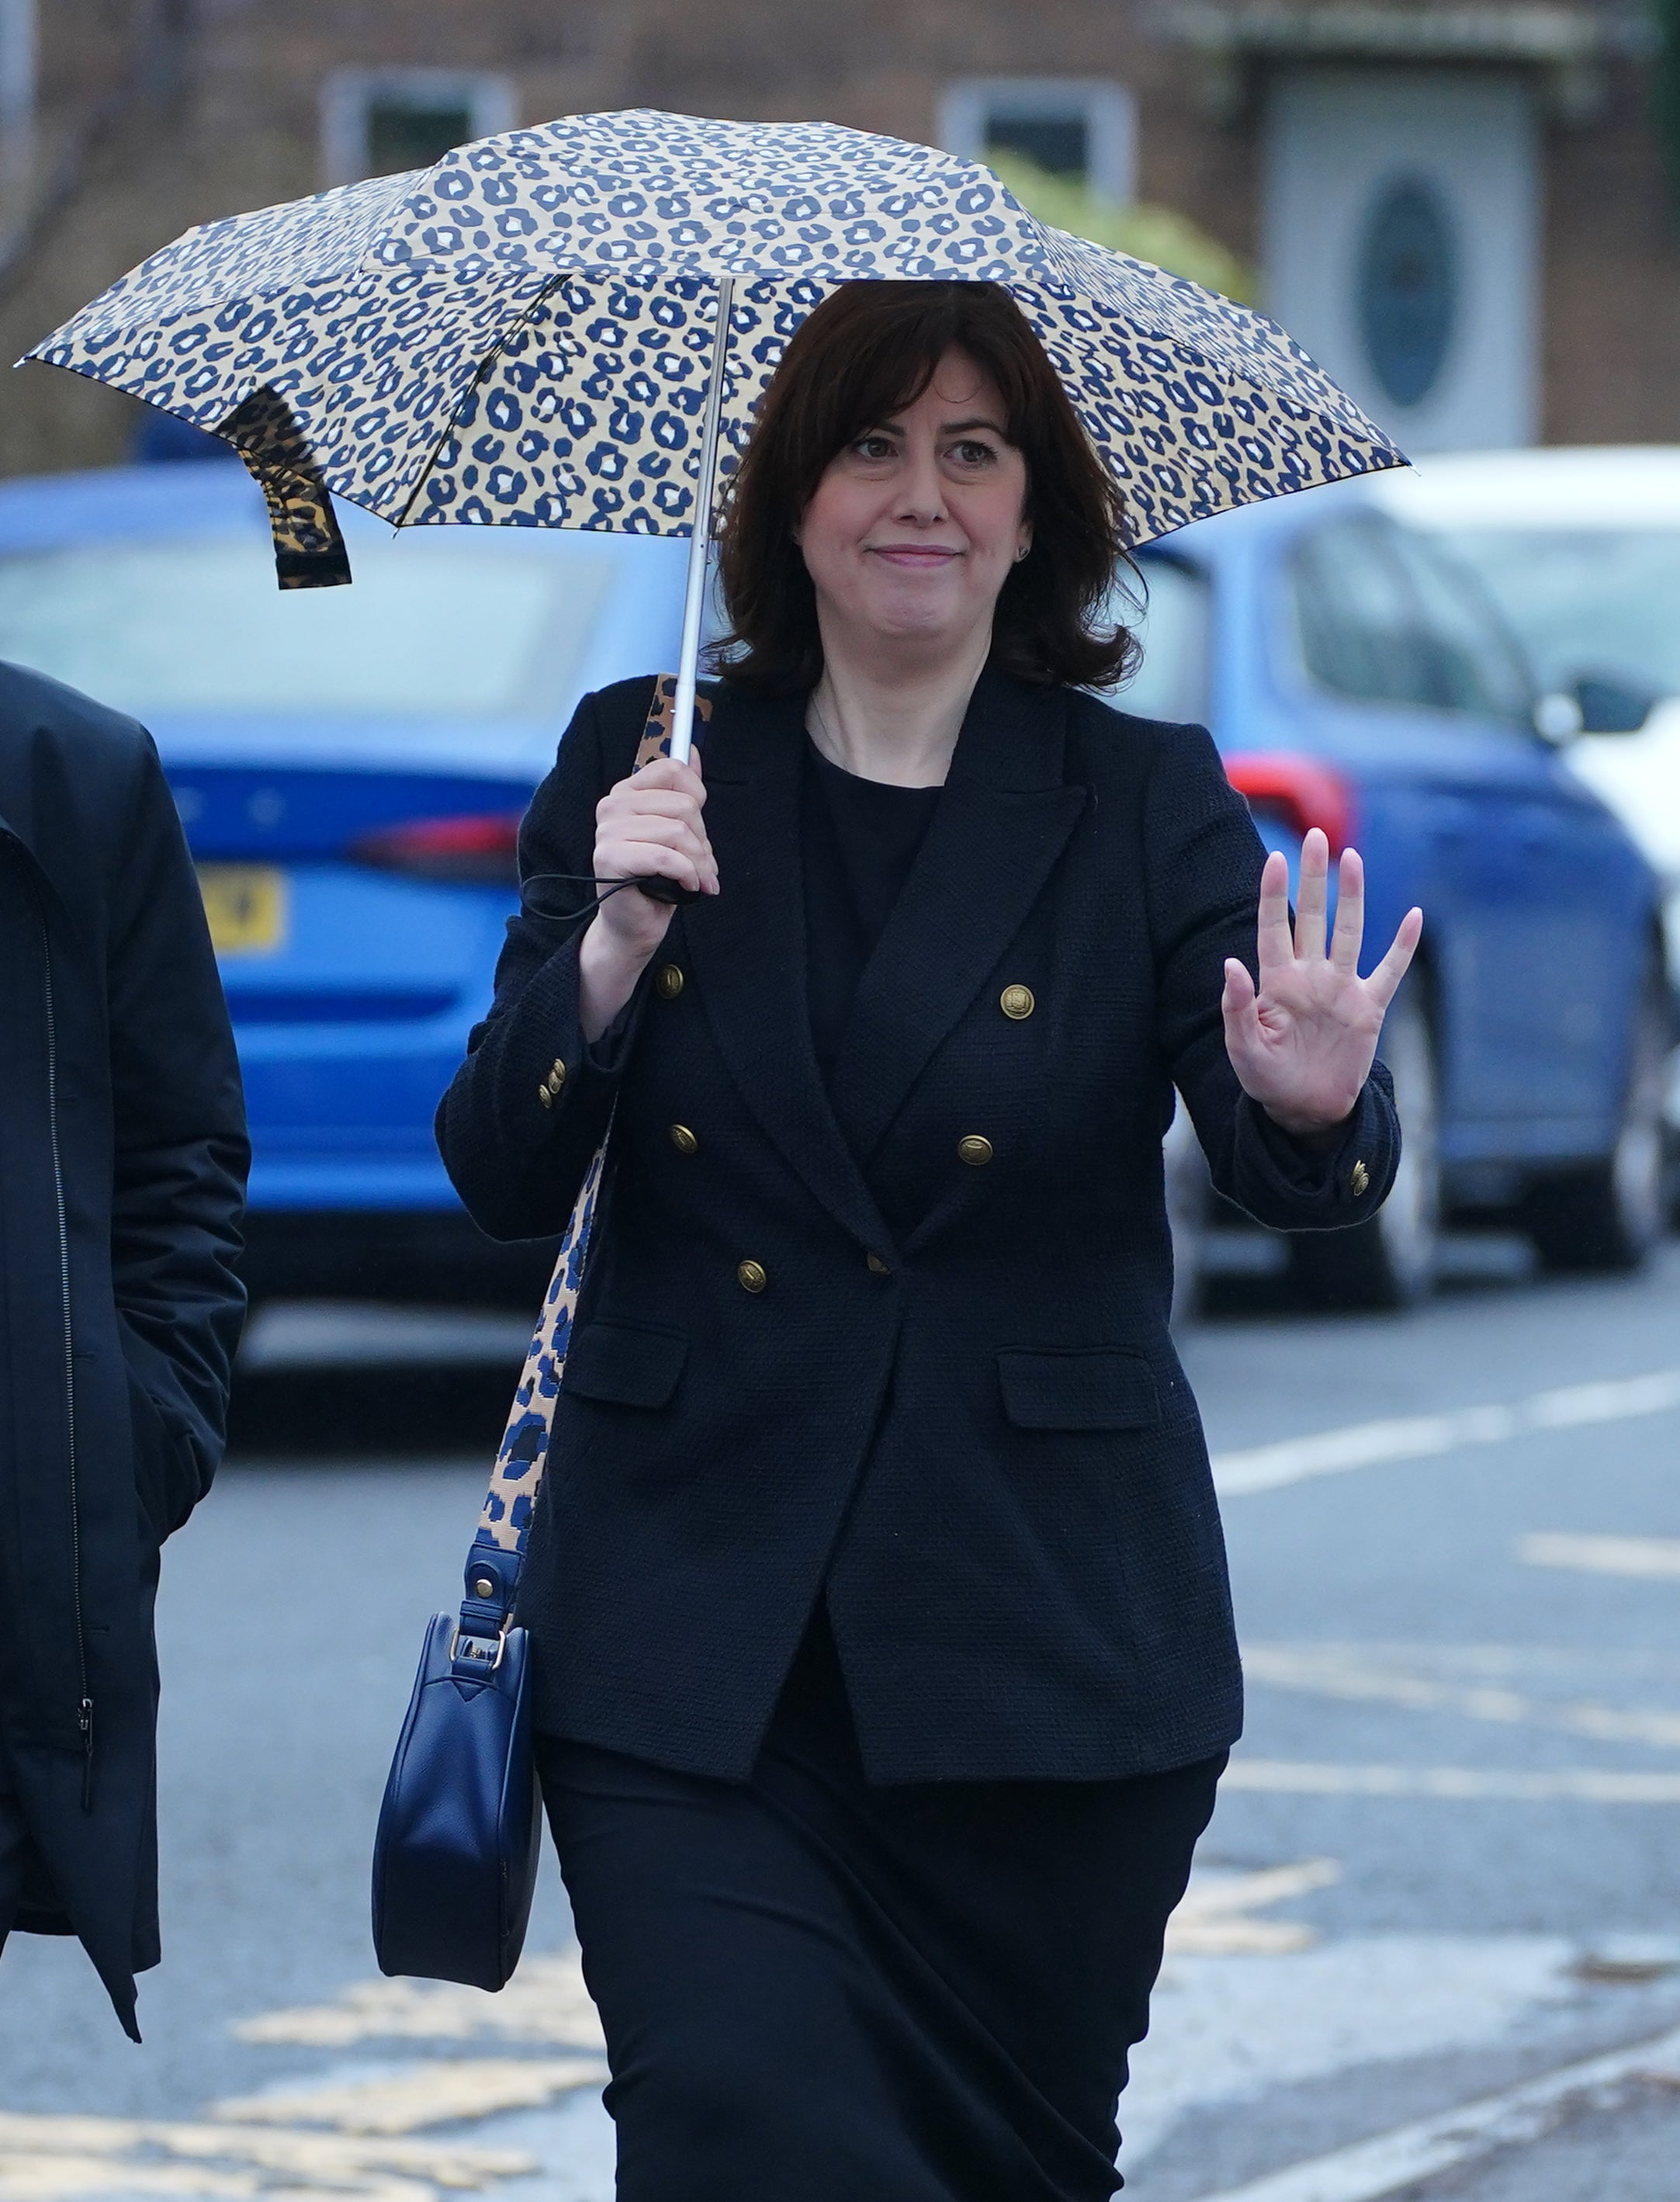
column 979, row 420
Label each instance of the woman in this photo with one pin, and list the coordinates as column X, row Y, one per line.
column 883, row 1652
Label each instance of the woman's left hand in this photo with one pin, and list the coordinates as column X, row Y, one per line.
column 1303, row 1045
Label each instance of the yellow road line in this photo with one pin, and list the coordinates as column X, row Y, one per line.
column 432, row 2095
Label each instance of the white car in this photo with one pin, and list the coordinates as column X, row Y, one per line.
column 1581, row 551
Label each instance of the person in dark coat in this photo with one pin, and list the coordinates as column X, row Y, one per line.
column 883, row 1646
column 123, row 1158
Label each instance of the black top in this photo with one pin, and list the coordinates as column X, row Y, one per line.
column 858, row 839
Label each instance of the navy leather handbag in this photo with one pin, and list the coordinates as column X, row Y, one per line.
column 455, row 1858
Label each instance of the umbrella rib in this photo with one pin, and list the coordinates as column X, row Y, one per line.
column 480, row 375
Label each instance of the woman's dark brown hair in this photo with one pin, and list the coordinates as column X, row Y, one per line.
column 867, row 351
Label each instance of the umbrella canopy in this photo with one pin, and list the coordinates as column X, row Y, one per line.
column 556, row 327
column 524, row 333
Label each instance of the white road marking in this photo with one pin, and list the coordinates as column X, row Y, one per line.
column 1652, row 1557
column 1583, row 1785
column 1392, row 2161
column 1422, row 1437
column 1228, row 2031
column 429, row 2094
column 1366, row 1675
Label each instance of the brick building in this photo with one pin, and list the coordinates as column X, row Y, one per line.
column 1461, row 208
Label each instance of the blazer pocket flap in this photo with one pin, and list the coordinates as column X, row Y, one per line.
column 1093, row 1387
column 625, row 1364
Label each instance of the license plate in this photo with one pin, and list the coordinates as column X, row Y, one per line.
column 247, row 906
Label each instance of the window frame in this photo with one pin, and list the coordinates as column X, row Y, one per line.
column 489, row 96
column 1107, row 108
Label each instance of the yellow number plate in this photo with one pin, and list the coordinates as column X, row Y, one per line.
column 246, row 905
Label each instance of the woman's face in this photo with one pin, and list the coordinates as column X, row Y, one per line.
column 914, row 526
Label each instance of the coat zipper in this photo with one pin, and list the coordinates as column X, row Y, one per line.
column 84, row 1705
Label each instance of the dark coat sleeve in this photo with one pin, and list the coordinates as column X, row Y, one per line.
column 180, row 1160
column 1204, row 860
column 516, row 1149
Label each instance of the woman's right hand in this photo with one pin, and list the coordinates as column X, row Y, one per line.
column 650, row 823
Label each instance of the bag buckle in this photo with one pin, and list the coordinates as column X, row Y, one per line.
column 472, row 1651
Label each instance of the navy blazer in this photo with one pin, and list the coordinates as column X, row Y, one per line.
column 978, row 1437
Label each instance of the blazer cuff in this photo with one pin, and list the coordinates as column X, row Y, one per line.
column 552, row 1069
column 1298, row 1188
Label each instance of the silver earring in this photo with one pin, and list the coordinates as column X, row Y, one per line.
column 1022, row 552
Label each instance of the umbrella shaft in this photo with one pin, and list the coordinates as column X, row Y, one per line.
column 700, row 540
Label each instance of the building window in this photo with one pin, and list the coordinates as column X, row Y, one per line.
column 378, row 123
column 1082, row 128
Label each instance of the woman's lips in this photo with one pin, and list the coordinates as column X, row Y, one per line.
column 924, row 555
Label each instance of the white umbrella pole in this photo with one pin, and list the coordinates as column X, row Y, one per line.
column 700, row 542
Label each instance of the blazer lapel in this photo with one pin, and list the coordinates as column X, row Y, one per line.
column 747, row 947
column 1001, row 824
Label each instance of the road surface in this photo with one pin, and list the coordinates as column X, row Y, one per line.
column 1433, row 1944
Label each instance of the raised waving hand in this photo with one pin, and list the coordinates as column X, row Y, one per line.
column 1303, row 1044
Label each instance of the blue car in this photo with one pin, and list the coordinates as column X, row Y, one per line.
column 1357, row 680
column 350, row 766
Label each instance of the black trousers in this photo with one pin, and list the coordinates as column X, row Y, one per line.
column 816, row 1991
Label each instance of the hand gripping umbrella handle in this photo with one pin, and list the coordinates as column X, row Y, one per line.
column 700, row 542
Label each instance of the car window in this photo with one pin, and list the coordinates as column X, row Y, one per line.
column 1355, row 618
column 1169, row 618
column 1377, row 619
column 1587, row 602
column 433, row 627
column 1475, row 663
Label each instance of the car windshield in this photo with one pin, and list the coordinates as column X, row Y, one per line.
column 1598, row 602
column 434, row 627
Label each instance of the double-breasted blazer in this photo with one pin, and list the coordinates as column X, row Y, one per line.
column 972, row 1436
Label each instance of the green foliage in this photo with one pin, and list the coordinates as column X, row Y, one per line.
column 1155, row 233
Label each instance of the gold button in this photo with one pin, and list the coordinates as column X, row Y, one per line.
column 545, row 1097
column 668, row 982
column 1360, row 1178
column 683, row 1140
column 556, row 1078
column 1017, row 1002
column 875, row 1266
column 751, row 1277
column 484, row 1587
column 974, row 1150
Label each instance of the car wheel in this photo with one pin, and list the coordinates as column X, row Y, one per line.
column 1611, row 1216
column 1391, row 1261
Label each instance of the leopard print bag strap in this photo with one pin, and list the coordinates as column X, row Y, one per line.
column 504, row 1524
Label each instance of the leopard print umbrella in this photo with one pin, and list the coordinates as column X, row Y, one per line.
column 524, row 333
